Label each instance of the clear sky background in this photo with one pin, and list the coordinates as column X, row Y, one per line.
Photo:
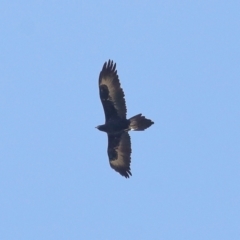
column 179, row 65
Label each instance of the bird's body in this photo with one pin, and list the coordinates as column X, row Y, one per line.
column 116, row 124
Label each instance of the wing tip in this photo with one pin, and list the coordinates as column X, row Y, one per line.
column 126, row 173
column 109, row 65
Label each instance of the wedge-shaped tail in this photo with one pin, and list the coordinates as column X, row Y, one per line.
column 139, row 123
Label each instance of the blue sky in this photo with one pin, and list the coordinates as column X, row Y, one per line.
column 179, row 65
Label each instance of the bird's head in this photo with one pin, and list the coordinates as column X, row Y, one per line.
column 101, row 128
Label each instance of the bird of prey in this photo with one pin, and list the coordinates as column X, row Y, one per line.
column 116, row 124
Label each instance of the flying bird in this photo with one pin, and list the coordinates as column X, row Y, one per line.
column 116, row 123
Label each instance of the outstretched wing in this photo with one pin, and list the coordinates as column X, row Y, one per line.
column 119, row 151
column 111, row 93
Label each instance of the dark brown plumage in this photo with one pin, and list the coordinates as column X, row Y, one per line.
column 116, row 124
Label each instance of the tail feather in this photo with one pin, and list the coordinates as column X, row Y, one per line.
column 139, row 123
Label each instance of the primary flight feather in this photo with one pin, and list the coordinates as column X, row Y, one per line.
column 116, row 124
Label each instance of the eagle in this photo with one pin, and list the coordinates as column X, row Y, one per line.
column 116, row 123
